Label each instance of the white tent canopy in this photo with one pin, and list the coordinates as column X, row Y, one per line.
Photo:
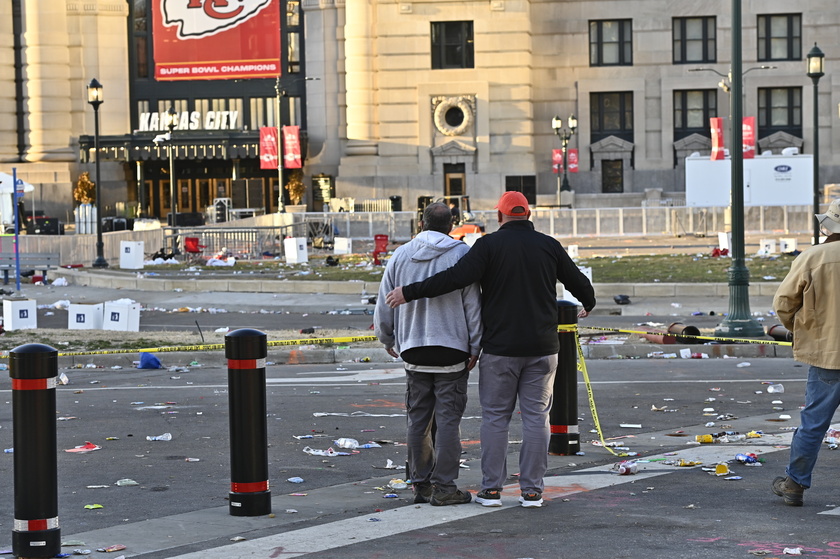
column 7, row 184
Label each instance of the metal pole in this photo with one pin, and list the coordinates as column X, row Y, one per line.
column 739, row 322
column 565, row 186
column 281, row 207
column 246, row 350
column 816, row 162
column 563, row 417
column 100, row 261
column 33, row 369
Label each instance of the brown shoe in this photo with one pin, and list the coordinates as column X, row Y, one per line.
column 422, row 492
column 789, row 490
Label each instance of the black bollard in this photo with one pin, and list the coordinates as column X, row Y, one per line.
column 33, row 369
column 563, row 417
column 246, row 350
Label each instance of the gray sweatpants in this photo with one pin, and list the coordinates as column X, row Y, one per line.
column 501, row 381
column 442, row 396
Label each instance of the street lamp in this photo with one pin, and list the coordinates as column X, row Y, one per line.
column 171, row 121
column 281, row 92
column 739, row 322
column 816, row 58
column 564, row 135
column 94, row 91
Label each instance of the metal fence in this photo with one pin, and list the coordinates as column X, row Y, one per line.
column 262, row 236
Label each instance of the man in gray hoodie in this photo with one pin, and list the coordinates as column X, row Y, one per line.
column 439, row 341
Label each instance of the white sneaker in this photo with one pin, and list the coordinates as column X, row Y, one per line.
column 531, row 500
column 489, row 498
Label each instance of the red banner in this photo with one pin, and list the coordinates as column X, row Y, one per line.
column 291, row 147
column 717, row 138
column 557, row 160
column 573, row 160
column 268, row 147
column 216, row 39
column 748, row 131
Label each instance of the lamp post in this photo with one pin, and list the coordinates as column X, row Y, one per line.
column 171, row 120
column 281, row 207
column 739, row 322
column 564, row 135
column 94, row 91
column 816, row 58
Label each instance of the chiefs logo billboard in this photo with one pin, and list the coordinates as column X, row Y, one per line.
column 216, row 39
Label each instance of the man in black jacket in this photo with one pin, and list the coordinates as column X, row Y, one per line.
column 518, row 269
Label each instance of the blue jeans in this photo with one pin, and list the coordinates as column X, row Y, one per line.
column 822, row 397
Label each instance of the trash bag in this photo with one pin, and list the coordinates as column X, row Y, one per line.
column 149, row 361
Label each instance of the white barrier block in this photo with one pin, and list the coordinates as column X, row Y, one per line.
column 787, row 245
column 342, row 245
column 573, row 251
column 124, row 317
column 767, row 246
column 85, row 316
column 19, row 314
column 295, row 249
column 587, row 271
column 131, row 255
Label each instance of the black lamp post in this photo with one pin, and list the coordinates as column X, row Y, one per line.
column 564, row 135
column 739, row 322
column 281, row 207
column 94, row 91
column 171, row 121
column 816, row 58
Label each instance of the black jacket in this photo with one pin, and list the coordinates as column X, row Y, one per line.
column 518, row 269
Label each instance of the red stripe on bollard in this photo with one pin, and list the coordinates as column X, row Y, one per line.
column 252, row 487
column 246, row 363
column 36, row 525
column 33, row 383
column 559, row 428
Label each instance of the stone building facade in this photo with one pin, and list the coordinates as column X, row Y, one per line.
column 435, row 97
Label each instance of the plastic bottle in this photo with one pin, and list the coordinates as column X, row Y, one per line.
column 627, row 467
column 775, row 389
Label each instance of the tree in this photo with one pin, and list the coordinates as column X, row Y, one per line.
column 296, row 187
column 85, row 190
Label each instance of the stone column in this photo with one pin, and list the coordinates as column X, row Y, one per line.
column 359, row 79
column 47, row 88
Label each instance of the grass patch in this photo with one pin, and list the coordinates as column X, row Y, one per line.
column 682, row 268
column 666, row 268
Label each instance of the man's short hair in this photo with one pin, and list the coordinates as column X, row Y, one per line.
column 437, row 217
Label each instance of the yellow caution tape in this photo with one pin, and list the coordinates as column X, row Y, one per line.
column 573, row 327
column 581, row 366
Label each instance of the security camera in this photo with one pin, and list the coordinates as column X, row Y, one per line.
column 160, row 138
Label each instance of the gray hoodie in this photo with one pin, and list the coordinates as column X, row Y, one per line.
column 451, row 320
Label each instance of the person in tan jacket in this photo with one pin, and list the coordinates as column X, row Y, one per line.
column 808, row 304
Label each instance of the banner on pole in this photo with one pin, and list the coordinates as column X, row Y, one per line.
column 573, row 160
column 268, row 147
column 717, row 138
column 291, row 147
column 748, row 132
column 557, row 160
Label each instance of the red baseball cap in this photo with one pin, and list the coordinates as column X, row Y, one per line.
column 513, row 203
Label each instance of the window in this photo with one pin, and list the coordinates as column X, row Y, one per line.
column 695, row 40
column 692, row 110
column 526, row 184
column 611, row 114
column 452, row 45
column 780, row 110
column 780, row 37
column 611, row 43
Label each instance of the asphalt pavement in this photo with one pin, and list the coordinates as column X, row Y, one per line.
column 342, row 509
column 654, row 408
